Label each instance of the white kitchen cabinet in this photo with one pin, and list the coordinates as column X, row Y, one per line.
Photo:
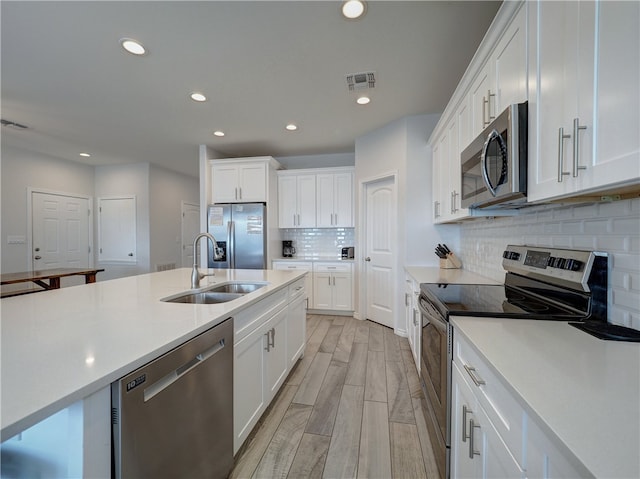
column 585, row 72
column 276, row 357
column 267, row 342
column 296, row 200
column 333, row 286
column 334, row 204
column 240, row 181
column 308, row 279
column 413, row 319
column 296, row 321
column 502, row 80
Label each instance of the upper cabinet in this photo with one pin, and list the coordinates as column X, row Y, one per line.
column 296, row 200
column 311, row 198
column 242, row 180
column 334, row 205
column 583, row 129
column 496, row 79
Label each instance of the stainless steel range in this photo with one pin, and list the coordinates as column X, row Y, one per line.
column 540, row 284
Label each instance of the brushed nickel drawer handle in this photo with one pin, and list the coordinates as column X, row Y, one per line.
column 472, row 372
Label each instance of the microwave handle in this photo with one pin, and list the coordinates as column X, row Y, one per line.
column 494, row 135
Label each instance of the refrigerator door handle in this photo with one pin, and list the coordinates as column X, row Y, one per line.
column 231, row 254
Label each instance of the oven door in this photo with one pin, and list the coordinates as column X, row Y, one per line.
column 436, row 356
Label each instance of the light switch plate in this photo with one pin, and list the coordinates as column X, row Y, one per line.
column 16, row 239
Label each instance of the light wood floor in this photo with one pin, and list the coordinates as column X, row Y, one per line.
column 350, row 409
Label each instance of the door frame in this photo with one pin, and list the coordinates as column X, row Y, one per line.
column 91, row 225
column 183, row 205
column 361, row 241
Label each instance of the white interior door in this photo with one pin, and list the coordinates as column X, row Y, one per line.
column 60, row 228
column 190, row 228
column 380, row 252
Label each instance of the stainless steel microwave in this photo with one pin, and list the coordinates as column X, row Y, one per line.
column 494, row 165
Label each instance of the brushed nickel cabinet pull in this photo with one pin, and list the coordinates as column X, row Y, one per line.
column 576, row 146
column 472, row 451
column 476, row 380
column 561, row 138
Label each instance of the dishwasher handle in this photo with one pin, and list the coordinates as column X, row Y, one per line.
column 166, row 381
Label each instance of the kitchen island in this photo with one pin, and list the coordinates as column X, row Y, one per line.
column 61, row 346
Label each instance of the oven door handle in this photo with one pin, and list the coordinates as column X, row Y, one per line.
column 435, row 319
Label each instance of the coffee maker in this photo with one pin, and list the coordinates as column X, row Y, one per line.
column 288, row 251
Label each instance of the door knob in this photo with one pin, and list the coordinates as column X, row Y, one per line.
column 38, row 257
column 367, row 258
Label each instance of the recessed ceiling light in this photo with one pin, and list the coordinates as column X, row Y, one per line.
column 353, row 9
column 291, row 127
column 195, row 96
column 363, row 100
column 132, row 46
column 85, row 155
column 218, row 133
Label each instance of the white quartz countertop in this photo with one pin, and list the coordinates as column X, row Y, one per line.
column 433, row 274
column 63, row 345
column 584, row 390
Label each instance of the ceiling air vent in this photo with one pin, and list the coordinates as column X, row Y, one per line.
column 361, row 81
column 13, row 124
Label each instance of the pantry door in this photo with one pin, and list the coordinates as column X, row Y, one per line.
column 60, row 231
column 380, row 249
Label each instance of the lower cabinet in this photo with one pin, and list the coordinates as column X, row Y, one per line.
column 332, row 286
column 270, row 338
column 477, row 448
column 299, row 266
column 412, row 317
column 492, row 436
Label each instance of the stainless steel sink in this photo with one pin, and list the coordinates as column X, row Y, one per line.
column 240, row 288
column 215, row 294
column 204, row 297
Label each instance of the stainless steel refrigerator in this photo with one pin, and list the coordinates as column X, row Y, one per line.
column 240, row 231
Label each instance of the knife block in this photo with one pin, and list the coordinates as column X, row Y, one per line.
column 450, row 262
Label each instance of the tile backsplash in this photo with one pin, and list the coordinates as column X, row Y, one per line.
column 319, row 243
column 611, row 227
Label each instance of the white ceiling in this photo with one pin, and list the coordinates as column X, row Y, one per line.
column 261, row 64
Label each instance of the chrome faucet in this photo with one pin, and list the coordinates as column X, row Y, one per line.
column 196, row 275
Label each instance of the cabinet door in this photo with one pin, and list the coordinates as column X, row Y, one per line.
column 343, row 200
column 296, row 329
column 306, row 201
column 510, row 64
column 482, row 101
column 463, row 407
column 249, row 385
column 287, row 202
column 324, row 203
column 342, row 297
column 561, row 91
column 617, row 155
column 495, row 459
column 224, row 182
column 276, row 359
column 436, row 184
column 252, row 183
column 322, row 289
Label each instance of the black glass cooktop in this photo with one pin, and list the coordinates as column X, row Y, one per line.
column 502, row 301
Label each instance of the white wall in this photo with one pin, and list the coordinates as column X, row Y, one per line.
column 401, row 148
column 317, row 161
column 611, row 227
column 22, row 169
column 168, row 190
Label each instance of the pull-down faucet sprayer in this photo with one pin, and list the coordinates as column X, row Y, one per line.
column 196, row 275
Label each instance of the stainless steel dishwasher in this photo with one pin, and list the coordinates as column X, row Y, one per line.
column 173, row 418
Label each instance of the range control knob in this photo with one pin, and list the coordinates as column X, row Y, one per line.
column 511, row 255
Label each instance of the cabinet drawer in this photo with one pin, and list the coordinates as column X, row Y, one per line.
column 299, row 265
column 331, row 267
column 251, row 318
column 504, row 411
column 296, row 289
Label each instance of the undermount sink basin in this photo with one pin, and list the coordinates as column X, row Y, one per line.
column 221, row 293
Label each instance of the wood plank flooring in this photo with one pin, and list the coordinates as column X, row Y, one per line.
column 349, row 409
